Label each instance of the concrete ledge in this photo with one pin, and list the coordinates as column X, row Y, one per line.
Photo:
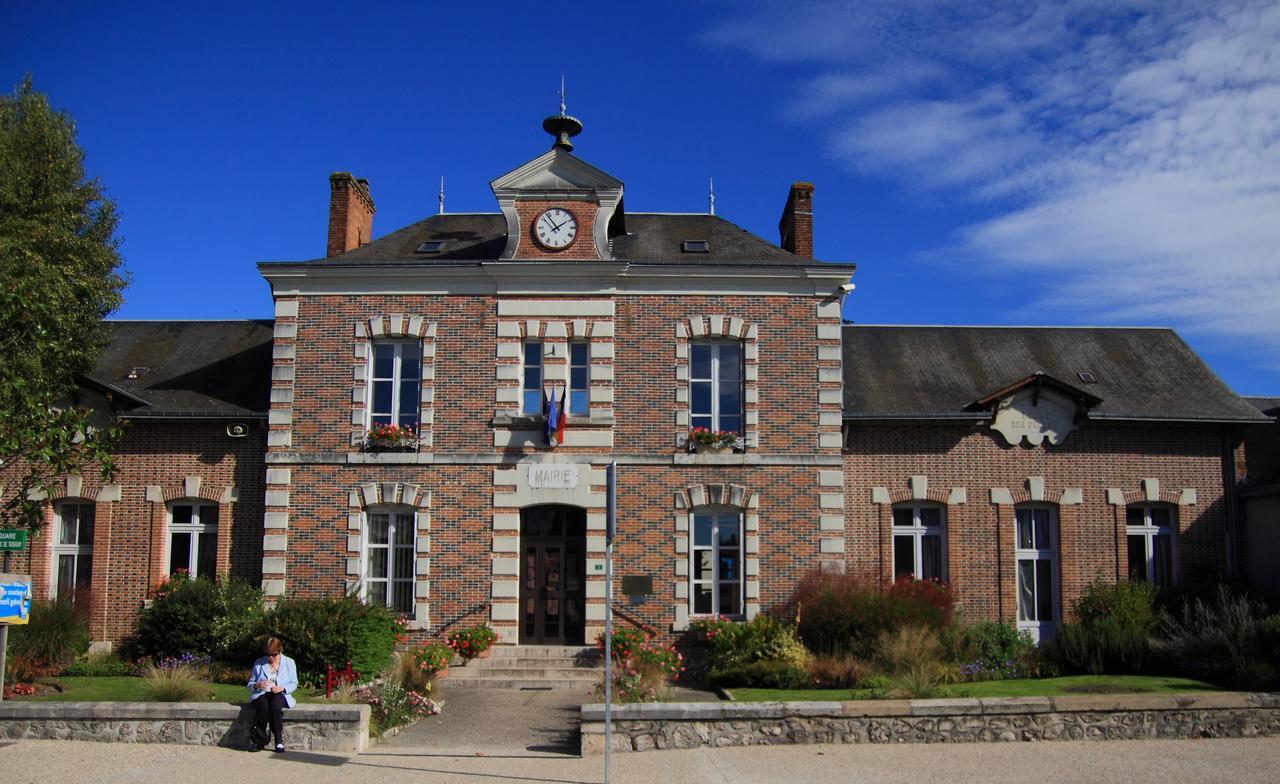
column 1075, row 717
column 308, row 727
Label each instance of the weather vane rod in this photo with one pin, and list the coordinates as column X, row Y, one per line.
column 711, row 196
column 440, row 211
column 561, row 94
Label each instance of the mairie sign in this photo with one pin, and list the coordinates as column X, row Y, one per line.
column 15, row 598
column 13, row 539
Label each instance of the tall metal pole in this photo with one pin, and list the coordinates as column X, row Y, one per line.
column 4, row 644
column 610, row 527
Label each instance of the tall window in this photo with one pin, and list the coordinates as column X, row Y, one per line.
column 918, row 542
column 579, row 366
column 716, row 573
column 1036, row 543
column 715, row 386
column 389, row 558
column 395, row 383
column 1150, row 530
column 73, row 549
column 531, row 379
column 193, row 538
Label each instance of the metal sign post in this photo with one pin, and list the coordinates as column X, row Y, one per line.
column 610, row 528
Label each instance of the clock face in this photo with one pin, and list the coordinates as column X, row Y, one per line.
column 556, row 228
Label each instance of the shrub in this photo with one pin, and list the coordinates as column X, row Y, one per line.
column 1226, row 640
column 472, row 641
column 706, row 629
column 910, row 648
column 56, row 633
column 644, row 676
column 762, row 675
column 21, row 670
column 391, row 705
column 991, row 650
column 221, row 618
column 320, row 632
column 840, row 613
column 100, row 668
column 838, row 672
column 763, row 638
column 419, row 665
column 625, row 641
column 176, row 683
column 1113, row 631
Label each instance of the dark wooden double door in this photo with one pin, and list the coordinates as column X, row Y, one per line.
column 553, row 543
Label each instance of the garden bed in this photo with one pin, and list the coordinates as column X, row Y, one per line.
column 1022, row 687
column 123, row 688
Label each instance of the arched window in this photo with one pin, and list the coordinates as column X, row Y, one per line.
column 1036, row 554
column 1150, row 530
column 715, row 570
column 193, row 538
column 919, row 542
column 73, row 549
column 389, row 557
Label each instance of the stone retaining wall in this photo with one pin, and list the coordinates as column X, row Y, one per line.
column 309, row 727
column 1100, row 717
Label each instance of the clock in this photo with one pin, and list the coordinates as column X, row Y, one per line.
column 556, row 228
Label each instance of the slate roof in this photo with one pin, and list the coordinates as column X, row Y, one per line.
column 218, row 369
column 650, row 238
column 907, row 372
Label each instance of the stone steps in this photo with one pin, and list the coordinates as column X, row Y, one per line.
column 529, row 667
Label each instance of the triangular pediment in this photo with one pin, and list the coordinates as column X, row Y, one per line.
column 556, row 170
column 1036, row 384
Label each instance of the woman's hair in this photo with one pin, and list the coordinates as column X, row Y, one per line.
column 273, row 646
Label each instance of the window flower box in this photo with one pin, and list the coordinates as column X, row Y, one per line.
column 713, row 442
column 390, row 438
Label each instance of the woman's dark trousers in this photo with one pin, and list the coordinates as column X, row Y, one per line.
column 270, row 707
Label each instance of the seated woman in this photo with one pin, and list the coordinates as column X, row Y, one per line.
column 272, row 682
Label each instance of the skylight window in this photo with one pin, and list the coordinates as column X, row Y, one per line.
column 695, row 246
column 137, row 372
column 430, row 246
column 1087, row 378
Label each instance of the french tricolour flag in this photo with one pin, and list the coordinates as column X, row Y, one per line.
column 555, row 414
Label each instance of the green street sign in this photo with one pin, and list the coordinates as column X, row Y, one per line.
column 13, row 539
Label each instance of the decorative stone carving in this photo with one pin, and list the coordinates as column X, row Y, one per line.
column 1034, row 416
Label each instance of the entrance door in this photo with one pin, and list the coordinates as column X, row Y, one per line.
column 553, row 543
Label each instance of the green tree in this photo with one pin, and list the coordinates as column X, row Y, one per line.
column 59, row 277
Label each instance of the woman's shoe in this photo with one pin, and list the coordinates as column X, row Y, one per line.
column 279, row 748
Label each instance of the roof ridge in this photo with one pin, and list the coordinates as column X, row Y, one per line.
column 1014, row 326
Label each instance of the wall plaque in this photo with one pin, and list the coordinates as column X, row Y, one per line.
column 553, row 476
column 1025, row 415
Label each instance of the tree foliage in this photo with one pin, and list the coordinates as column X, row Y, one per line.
column 59, row 277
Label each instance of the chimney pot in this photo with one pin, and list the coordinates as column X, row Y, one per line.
column 795, row 229
column 350, row 213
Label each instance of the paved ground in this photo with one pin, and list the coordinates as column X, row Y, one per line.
column 1122, row 762
column 498, row 721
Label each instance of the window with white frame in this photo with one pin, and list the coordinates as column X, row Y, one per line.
column 531, row 378
column 919, row 543
column 579, row 368
column 715, row 573
column 389, row 557
column 73, row 549
column 193, row 538
column 715, row 385
column 1150, row 532
column 1036, row 555
column 395, row 383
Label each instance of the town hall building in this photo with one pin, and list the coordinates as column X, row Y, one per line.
column 429, row 417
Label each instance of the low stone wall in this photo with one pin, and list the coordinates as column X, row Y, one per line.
column 309, row 727
column 1083, row 717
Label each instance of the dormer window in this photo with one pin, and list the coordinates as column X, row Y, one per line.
column 695, row 246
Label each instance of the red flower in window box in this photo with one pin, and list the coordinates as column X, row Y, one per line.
column 388, row 438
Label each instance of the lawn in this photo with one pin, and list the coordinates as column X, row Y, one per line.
column 1028, row 687
column 123, row 688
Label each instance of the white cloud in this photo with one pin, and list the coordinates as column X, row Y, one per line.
column 1129, row 150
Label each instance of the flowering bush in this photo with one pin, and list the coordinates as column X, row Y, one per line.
column 626, row 641
column 432, row 657
column 841, row 613
column 716, row 439
column 392, row 705
column 390, row 437
column 706, row 629
column 473, row 641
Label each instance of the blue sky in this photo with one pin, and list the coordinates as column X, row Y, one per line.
column 1107, row 163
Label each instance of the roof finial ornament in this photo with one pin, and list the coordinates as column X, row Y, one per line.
column 711, row 196
column 561, row 125
column 440, row 211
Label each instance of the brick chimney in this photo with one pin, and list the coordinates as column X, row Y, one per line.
column 795, row 230
column 350, row 213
